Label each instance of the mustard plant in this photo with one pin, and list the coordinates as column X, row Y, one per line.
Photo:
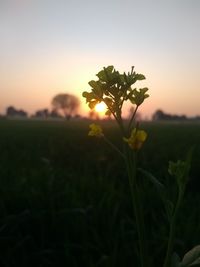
column 114, row 89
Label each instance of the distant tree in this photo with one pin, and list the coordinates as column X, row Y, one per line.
column 160, row 115
column 196, row 118
column 66, row 104
column 22, row 113
column 13, row 112
column 45, row 112
column 42, row 113
column 54, row 114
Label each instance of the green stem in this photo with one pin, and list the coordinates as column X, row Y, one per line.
column 135, row 196
column 131, row 166
column 117, row 117
column 114, row 147
column 132, row 118
column 172, row 232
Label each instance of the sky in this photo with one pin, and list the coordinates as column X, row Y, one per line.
column 56, row 46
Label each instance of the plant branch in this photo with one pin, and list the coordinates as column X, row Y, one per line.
column 132, row 175
column 132, row 118
column 114, row 147
column 172, row 231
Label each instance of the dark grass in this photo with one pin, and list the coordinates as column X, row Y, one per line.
column 65, row 198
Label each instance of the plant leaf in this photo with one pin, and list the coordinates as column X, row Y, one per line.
column 160, row 187
column 92, row 104
column 192, row 257
column 108, row 113
column 140, row 76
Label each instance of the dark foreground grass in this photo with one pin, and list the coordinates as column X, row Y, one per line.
column 65, row 198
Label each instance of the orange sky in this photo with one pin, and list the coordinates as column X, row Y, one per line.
column 58, row 47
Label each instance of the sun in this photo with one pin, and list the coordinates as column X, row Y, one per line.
column 100, row 107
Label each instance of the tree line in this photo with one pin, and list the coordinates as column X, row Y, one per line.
column 160, row 115
column 67, row 105
column 63, row 105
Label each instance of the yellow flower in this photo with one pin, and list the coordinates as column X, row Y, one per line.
column 137, row 138
column 95, row 130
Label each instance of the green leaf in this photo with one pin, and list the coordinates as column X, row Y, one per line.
column 109, row 69
column 180, row 169
column 108, row 101
column 192, row 257
column 138, row 97
column 105, row 75
column 144, row 90
column 140, row 77
column 102, row 76
column 93, row 103
column 108, row 113
column 85, row 94
column 96, row 89
column 160, row 187
column 93, row 84
column 88, row 96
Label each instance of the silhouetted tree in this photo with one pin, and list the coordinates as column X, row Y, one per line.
column 54, row 114
column 13, row 112
column 160, row 115
column 42, row 113
column 22, row 113
column 66, row 103
column 10, row 111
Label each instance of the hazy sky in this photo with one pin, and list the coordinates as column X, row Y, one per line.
column 52, row 46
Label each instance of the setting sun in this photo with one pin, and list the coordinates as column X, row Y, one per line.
column 100, row 107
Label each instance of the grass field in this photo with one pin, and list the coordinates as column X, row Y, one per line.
column 65, row 199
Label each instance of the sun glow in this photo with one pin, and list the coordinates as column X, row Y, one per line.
column 100, row 107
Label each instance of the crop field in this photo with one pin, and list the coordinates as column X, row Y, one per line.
column 65, row 200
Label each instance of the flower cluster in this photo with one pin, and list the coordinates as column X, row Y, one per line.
column 114, row 88
column 180, row 170
column 95, row 130
column 137, row 138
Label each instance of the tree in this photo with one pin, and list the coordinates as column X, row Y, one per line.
column 54, row 114
column 13, row 112
column 42, row 113
column 158, row 115
column 65, row 103
column 22, row 113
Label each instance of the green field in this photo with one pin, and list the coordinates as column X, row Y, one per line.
column 65, row 198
